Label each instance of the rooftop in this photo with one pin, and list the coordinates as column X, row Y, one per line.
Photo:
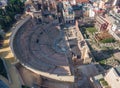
column 115, row 15
column 117, row 32
column 117, row 69
column 82, row 1
column 67, row 8
column 77, row 7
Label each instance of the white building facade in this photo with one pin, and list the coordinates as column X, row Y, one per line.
column 68, row 13
column 113, row 77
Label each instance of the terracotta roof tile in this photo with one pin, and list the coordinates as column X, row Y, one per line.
column 82, row 1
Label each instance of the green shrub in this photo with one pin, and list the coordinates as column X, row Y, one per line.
column 7, row 15
column 91, row 30
column 108, row 40
column 23, row 86
column 102, row 62
column 103, row 82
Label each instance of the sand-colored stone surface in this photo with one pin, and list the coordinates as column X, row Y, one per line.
column 5, row 51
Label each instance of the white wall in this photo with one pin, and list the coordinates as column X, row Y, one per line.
column 114, row 27
column 113, row 78
column 91, row 12
column 114, row 3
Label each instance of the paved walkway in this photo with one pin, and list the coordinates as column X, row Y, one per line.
column 15, row 81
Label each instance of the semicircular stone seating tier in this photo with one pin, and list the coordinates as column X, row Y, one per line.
column 34, row 47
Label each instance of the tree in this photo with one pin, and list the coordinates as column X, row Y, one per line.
column 23, row 86
column 7, row 15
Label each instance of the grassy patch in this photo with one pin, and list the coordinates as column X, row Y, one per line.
column 91, row 30
column 103, row 82
column 108, row 40
column 102, row 62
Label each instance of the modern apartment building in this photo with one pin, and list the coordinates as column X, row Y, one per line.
column 101, row 24
column 68, row 13
column 113, row 77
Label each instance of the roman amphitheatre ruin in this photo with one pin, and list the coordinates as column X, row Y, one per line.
column 36, row 47
column 45, row 50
